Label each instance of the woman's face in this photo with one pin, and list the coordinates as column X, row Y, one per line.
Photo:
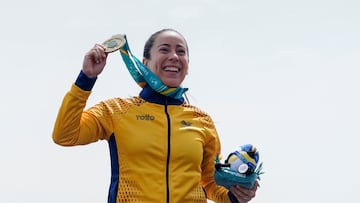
column 169, row 59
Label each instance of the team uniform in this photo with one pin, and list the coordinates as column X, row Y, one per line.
column 162, row 149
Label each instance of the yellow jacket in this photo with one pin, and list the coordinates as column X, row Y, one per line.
column 162, row 150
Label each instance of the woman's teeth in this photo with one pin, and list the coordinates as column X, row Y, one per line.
column 174, row 69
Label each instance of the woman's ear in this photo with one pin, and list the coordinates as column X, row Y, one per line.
column 144, row 61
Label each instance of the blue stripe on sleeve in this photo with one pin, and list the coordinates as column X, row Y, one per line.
column 84, row 82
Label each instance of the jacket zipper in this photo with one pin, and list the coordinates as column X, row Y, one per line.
column 168, row 153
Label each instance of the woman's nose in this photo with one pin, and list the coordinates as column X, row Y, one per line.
column 174, row 56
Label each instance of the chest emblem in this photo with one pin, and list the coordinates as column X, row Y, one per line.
column 185, row 123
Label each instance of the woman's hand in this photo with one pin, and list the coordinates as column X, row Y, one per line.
column 94, row 61
column 243, row 194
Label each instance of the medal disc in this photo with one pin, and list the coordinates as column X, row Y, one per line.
column 114, row 43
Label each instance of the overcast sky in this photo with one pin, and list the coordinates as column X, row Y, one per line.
column 282, row 75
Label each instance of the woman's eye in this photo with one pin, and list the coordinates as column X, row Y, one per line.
column 181, row 52
column 163, row 50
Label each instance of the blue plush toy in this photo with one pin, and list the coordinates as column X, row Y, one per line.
column 241, row 168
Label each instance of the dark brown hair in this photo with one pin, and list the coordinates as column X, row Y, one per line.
column 150, row 42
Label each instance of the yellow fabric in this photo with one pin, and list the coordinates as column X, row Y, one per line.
column 143, row 139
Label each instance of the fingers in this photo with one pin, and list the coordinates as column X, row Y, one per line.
column 98, row 53
column 94, row 61
column 256, row 185
column 243, row 194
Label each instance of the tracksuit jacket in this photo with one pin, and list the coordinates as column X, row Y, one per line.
column 162, row 149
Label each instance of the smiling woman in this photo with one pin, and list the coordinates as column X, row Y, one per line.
column 166, row 54
column 159, row 158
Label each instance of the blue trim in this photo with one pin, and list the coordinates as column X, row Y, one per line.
column 84, row 82
column 115, row 173
column 168, row 152
column 152, row 96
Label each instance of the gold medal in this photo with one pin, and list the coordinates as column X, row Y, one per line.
column 114, row 43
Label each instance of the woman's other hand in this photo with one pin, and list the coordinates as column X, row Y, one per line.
column 242, row 194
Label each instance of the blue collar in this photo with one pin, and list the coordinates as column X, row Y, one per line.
column 150, row 95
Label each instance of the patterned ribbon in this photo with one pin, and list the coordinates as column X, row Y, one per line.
column 143, row 75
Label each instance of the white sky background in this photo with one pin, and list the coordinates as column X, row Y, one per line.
column 282, row 75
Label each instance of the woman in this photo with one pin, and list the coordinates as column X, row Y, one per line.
column 162, row 149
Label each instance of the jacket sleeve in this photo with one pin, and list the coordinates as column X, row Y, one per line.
column 73, row 125
column 213, row 191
